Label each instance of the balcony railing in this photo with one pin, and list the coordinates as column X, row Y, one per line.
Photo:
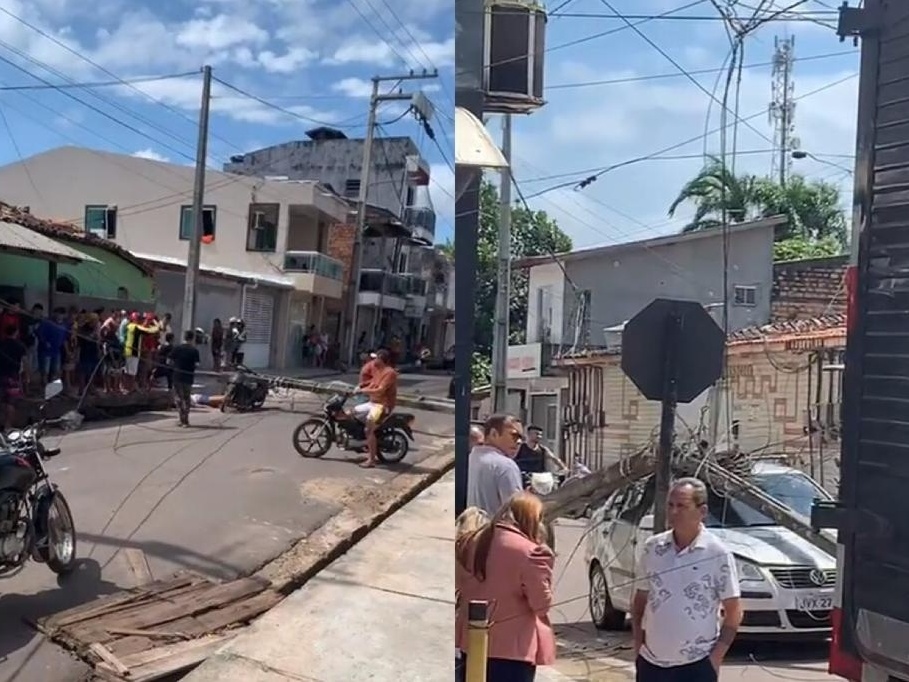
column 395, row 285
column 314, row 263
column 416, row 285
column 418, row 217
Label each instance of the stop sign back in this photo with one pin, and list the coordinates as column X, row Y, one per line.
column 700, row 345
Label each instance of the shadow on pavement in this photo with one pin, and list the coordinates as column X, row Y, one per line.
column 183, row 557
column 19, row 612
column 581, row 641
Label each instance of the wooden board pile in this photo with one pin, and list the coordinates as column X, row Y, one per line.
column 161, row 628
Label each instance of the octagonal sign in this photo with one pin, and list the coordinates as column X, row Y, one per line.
column 700, row 347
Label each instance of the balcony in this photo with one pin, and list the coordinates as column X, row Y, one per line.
column 416, row 296
column 397, row 288
column 422, row 222
column 315, row 273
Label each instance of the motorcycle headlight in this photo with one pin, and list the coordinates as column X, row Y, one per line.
column 13, row 435
column 748, row 571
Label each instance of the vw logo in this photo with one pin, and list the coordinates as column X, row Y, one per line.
column 817, row 576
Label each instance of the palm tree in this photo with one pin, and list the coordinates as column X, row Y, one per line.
column 714, row 189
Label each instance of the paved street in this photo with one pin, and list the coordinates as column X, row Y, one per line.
column 222, row 498
column 590, row 655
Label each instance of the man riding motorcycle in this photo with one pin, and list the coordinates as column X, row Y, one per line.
column 382, row 391
column 536, row 458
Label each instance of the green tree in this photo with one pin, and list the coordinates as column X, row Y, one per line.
column 815, row 219
column 533, row 233
column 799, row 248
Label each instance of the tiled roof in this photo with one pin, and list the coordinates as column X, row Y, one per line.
column 68, row 233
column 814, row 327
column 827, row 326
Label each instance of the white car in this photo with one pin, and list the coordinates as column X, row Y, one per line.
column 786, row 582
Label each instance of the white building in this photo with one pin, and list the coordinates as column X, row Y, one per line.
column 264, row 245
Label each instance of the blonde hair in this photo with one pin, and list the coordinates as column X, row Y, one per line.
column 524, row 511
column 470, row 521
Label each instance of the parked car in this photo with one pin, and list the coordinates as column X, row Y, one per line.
column 786, row 582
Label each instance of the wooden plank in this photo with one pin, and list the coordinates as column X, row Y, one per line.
column 237, row 613
column 154, row 634
column 93, row 629
column 110, row 602
column 156, row 615
column 101, row 652
column 167, row 660
column 138, row 565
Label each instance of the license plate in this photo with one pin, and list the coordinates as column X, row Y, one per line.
column 814, row 602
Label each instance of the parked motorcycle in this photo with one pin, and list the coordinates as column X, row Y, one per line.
column 246, row 391
column 315, row 436
column 35, row 519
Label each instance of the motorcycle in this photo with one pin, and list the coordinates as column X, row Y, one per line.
column 245, row 391
column 315, row 436
column 35, row 518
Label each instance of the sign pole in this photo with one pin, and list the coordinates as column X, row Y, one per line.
column 671, row 339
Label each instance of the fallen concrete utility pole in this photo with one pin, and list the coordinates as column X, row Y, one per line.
column 729, row 483
column 418, row 402
column 593, row 490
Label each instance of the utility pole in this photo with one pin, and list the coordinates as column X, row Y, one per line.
column 353, row 284
column 503, row 291
column 194, row 256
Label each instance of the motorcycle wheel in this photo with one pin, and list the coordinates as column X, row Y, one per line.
column 312, row 438
column 60, row 552
column 397, row 444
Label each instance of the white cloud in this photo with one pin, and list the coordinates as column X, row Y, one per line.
column 285, row 63
column 220, row 32
column 151, row 155
column 360, row 50
column 353, row 87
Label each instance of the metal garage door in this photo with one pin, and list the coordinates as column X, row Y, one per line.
column 258, row 313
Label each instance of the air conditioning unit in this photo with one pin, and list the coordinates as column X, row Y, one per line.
column 513, row 56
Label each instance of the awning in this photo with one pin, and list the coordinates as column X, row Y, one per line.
column 392, row 229
column 22, row 241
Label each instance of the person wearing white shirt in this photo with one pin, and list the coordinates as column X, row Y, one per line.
column 686, row 609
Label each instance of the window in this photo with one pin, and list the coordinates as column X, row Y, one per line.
column 411, row 196
column 101, row 221
column 352, row 189
column 208, row 222
column 262, row 227
column 745, row 295
column 123, row 293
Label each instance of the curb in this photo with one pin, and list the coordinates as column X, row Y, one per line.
column 291, row 570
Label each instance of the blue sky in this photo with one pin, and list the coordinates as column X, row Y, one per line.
column 312, row 58
column 593, row 126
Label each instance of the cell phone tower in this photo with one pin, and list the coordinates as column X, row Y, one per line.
column 782, row 108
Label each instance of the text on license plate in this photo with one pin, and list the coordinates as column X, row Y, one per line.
column 814, row 602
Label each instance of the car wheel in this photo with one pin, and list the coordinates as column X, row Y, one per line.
column 603, row 614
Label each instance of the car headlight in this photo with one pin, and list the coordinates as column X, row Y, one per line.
column 748, row 572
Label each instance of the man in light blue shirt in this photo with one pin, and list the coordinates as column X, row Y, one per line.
column 493, row 477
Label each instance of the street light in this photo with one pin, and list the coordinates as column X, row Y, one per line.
column 799, row 154
column 475, row 150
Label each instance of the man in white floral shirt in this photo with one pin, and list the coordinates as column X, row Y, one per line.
column 686, row 608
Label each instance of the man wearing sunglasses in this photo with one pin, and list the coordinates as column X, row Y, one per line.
column 493, row 477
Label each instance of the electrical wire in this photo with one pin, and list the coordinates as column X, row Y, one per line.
column 595, row 173
column 87, row 85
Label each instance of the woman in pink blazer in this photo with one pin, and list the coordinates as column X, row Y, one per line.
column 505, row 564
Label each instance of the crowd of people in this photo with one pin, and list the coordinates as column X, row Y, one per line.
column 682, row 624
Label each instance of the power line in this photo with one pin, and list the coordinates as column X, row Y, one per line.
column 86, row 85
column 679, row 67
column 695, row 72
column 595, row 173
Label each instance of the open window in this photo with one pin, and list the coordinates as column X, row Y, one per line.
column 209, row 213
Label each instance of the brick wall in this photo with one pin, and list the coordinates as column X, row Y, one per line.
column 340, row 246
column 808, row 288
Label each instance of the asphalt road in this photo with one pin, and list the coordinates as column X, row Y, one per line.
column 586, row 653
column 223, row 498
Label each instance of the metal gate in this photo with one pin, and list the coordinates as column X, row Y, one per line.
column 258, row 314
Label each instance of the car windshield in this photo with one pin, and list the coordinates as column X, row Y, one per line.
column 797, row 491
